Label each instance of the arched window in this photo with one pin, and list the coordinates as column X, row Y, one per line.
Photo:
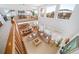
column 34, row 12
column 50, row 10
column 65, row 11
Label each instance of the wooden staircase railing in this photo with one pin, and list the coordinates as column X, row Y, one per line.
column 15, row 43
column 9, row 45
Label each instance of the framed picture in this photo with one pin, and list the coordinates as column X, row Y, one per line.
column 1, row 24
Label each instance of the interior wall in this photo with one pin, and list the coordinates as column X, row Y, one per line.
column 4, row 33
column 1, row 19
column 65, row 27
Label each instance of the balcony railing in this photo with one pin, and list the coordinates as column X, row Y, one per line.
column 15, row 43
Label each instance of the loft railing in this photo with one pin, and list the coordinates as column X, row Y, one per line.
column 15, row 43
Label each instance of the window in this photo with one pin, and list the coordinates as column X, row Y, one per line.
column 71, row 46
column 65, row 11
column 11, row 13
column 50, row 10
column 21, row 12
column 28, row 13
column 8, row 14
column 34, row 12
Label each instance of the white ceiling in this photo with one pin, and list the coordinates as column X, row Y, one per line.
column 20, row 6
column 23, row 6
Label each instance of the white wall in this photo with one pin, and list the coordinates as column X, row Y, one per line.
column 19, row 6
column 75, row 18
column 2, row 20
column 4, row 33
column 65, row 27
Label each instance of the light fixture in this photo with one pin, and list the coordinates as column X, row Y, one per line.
column 30, row 36
column 47, row 37
column 34, row 34
column 41, row 34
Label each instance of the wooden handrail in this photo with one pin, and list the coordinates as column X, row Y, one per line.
column 19, row 39
column 15, row 43
column 9, row 45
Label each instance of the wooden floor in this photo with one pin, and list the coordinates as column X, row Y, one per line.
column 42, row 48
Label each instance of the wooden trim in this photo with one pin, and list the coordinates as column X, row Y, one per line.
column 18, row 35
column 16, row 39
column 9, row 45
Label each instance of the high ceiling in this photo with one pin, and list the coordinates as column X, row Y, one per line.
column 20, row 6
column 23, row 6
